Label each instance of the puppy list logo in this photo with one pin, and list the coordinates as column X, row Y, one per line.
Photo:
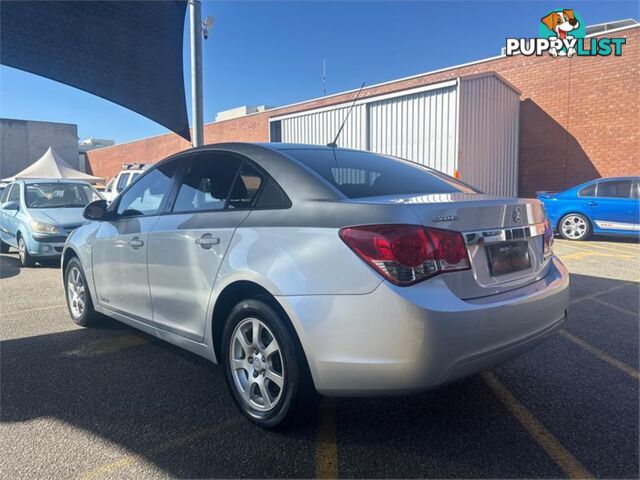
column 562, row 34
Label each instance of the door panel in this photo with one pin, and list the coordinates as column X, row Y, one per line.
column 613, row 208
column 120, row 247
column 185, row 254
column 120, row 266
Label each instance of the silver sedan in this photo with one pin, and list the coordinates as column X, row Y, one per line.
column 304, row 269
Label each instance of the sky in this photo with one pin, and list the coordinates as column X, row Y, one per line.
column 271, row 53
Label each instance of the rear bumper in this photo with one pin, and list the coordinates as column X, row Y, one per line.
column 395, row 340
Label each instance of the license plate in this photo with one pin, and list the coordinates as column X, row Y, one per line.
column 508, row 257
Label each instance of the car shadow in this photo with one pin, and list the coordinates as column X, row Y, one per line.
column 172, row 409
column 9, row 266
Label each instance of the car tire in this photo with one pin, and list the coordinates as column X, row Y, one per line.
column 4, row 248
column 26, row 260
column 250, row 365
column 78, row 297
column 574, row 226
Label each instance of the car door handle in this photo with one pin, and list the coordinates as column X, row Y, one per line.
column 207, row 241
column 593, row 204
column 136, row 243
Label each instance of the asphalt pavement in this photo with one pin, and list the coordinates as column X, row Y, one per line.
column 111, row 402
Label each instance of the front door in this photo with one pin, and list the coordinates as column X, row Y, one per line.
column 120, row 247
column 613, row 208
column 187, row 245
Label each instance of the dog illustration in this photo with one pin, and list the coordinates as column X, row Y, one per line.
column 561, row 23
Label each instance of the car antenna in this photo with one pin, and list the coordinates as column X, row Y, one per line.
column 334, row 144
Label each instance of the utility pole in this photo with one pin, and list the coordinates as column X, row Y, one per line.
column 324, row 77
column 195, row 16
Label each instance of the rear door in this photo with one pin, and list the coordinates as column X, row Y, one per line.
column 188, row 243
column 120, row 247
column 613, row 208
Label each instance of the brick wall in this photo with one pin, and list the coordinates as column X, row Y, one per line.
column 579, row 118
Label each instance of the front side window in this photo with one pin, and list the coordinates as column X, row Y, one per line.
column 363, row 174
column 146, row 196
column 59, row 195
column 5, row 193
column 207, row 184
column 14, row 194
column 122, row 182
column 615, row 189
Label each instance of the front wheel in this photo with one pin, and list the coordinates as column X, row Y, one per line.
column 78, row 296
column 261, row 364
column 575, row 227
column 23, row 252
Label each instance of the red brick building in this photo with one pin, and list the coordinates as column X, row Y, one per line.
column 579, row 117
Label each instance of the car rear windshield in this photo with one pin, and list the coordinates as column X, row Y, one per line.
column 59, row 195
column 363, row 174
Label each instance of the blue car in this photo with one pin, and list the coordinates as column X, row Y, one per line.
column 607, row 206
column 36, row 216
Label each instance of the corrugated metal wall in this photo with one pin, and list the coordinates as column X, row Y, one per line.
column 321, row 126
column 419, row 127
column 470, row 125
column 488, row 135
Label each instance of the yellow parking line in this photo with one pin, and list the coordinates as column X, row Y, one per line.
column 567, row 462
column 326, row 443
column 107, row 345
column 128, row 460
column 609, row 248
column 623, row 367
column 35, row 309
column 587, row 254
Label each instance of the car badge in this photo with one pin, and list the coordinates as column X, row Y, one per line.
column 445, row 218
column 517, row 214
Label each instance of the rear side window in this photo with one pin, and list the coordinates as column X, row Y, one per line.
column 272, row 196
column 207, row 184
column 363, row 174
column 588, row 191
column 245, row 187
column 615, row 189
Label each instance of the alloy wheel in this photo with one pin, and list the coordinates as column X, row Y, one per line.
column 574, row 227
column 22, row 250
column 75, row 292
column 257, row 365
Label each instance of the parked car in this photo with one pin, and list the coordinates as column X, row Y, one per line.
column 129, row 172
column 37, row 215
column 607, row 206
column 302, row 268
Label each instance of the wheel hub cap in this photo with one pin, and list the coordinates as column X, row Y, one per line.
column 257, row 365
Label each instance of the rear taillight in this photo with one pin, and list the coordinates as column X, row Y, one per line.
column 547, row 239
column 407, row 254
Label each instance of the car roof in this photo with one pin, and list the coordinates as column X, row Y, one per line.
column 30, row 181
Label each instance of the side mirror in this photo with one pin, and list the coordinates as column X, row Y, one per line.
column 95, row 210
column 11, row 206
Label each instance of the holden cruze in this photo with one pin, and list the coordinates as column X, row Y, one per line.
column 303, row 268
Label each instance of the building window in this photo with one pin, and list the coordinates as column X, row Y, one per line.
column 275, row 131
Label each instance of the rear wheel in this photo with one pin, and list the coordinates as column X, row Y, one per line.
column 575, row 227
column 23, row 252
column 78, row 297
column 261, row 363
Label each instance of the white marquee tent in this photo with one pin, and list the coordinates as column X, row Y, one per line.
column 51, row 165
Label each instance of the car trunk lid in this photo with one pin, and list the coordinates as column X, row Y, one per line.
column 504, row 237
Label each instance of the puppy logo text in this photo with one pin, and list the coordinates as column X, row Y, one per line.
column 561, row 33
